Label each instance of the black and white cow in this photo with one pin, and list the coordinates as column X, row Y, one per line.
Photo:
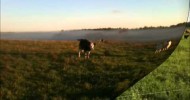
column 186, row 35
column 163, row 46
column 85, row 46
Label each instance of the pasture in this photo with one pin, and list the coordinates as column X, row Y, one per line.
column 52, row 70
column 170, row 81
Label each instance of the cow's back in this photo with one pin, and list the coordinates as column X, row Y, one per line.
column 84, row 45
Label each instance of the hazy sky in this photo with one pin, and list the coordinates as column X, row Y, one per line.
column 51, row 15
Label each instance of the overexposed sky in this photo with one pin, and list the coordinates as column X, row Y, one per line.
column 54, row 15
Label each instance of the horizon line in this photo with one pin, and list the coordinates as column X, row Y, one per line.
column 95, row 28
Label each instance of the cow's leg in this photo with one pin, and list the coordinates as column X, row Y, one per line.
column 79, row 53
column 156, row 51
column 88, row 54
column 160, row 50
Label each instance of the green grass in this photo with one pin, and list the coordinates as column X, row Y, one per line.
column 52, row 70
column 170, row 81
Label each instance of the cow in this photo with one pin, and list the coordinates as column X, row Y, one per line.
column 85, row 46
column 186, row 35
column 163, row 46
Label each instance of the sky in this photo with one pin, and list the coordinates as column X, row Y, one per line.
column 55, row 15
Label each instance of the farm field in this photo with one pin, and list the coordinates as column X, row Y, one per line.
column 170, row 81
column 52, row 70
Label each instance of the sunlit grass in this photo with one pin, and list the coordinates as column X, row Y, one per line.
column 169, row 81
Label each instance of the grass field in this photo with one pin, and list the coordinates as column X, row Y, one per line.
column 170, row 81
column 51, row 69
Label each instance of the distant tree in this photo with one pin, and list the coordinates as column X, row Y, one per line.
column 145, row 27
